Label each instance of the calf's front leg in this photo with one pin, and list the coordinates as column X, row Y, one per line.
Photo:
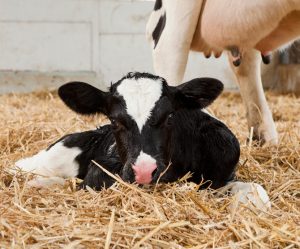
column 97, row 179
column 259, row 116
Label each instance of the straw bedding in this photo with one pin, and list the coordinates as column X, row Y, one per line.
column 165, row 216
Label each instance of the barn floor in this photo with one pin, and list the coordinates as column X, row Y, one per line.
column 167, row 216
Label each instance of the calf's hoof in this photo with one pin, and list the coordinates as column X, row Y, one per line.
column 250, row 194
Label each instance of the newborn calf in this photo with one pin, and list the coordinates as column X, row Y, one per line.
column 157, row 132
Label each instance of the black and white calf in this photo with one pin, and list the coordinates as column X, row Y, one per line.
column 155, row 129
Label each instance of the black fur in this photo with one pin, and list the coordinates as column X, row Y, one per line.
column 90, row 98
column 266, row 58
column 157, row 5
column 199, row 93
column 159, row 29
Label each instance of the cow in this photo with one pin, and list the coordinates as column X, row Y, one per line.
column 248, row 30
column 157, row 133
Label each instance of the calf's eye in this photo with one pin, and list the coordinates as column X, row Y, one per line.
column 113, row 122
column 116, row 125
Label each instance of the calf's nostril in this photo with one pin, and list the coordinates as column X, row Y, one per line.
column 154, row 172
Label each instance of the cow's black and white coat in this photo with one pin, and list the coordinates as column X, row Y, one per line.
column 155, row 129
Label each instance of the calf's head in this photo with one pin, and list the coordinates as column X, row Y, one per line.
column 141, row 108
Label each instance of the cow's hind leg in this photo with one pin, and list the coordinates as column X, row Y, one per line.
column 259, row 116
column 172, row 28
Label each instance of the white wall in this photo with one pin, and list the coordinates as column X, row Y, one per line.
column 103, row 39
column 49, row 35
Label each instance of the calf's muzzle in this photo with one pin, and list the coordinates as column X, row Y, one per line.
column 143, row 172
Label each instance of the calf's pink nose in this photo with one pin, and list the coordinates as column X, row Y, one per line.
column 143, row 172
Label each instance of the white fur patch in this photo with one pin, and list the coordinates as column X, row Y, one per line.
column 110, row 149
column 140, row 97
column 58, row 161
column 250, row 192
column 42, row 182
column 210, row 114
column 144, row 158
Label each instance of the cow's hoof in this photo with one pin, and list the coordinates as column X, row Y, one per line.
column 264, row 136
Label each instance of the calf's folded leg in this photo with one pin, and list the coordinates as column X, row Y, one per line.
column 51, row 165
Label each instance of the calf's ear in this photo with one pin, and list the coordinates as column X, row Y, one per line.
column 197, row 93
column 84, row 98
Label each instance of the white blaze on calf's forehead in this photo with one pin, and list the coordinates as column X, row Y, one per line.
column 144, row 158
column 140, row 96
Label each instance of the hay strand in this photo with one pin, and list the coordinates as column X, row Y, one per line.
column 110, row 229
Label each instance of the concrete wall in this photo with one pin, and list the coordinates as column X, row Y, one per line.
column 44, row 43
